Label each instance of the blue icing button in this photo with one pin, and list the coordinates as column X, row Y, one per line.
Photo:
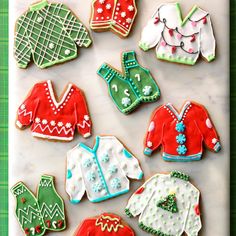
column 91, row 176
column 140, row 175
column 115, row 183
column 181, row 149
column 127, row 154
column 181, row 138
column 105, row 158
column 180, row 127
column 113, row 169
column 87, row 163
column 69, row 174
column 97, row 187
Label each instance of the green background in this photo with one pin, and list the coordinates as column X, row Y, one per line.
column 4, row 119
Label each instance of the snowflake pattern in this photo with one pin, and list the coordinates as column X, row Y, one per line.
column 53, row 123
column 99, row 10
column 126, row 101
column 149, row 144
column 105, row 158
column 101, row 1
column 181, row 138
column 60, row 124
column 44, row 121
column 130, row 8
column 91, row 176
column 87, row 163
column 128, row 20
column 123, row 14
column 147, row 90
column 214, row 140
column 68, row 125
column 181, row 149
column 115, row 183
column 37, row 120
column 97, row 187
column 86, row 117
column 22, row 107
column 180, row 127
column 113, row 169
column 108, row 6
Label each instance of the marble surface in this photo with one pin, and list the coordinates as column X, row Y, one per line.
column 205, row 83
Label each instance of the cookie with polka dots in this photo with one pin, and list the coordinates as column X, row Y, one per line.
column 117, row 16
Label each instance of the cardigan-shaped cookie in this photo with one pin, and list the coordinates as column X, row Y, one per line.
column 181, row 135
column 52, row 119
column 102, row 171
column 179, row 40
column 48, row 34
column 168, row 204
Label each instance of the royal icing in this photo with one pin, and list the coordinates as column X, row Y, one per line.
column 106, row 224
column 114, row 15
column 37, row 215
column 168, row 204
column 134, row 86
column 177, row 39
column 48, row 33
column 52, row 119
column 101, row 171
column 181, row 134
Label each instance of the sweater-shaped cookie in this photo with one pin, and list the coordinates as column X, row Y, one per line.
column 181, row 134
column 115, row 15
column 48, row 34
column 168, row 204
column 52, row 119
column 101, row 171
column 179, row 40
column 106, row 224
column 134, row 86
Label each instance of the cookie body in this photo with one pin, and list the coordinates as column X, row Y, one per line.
column 179, row 40
column 50, row 119
column 181, row 134
column 101, row 171
column 168, row 204
column 49, row 34
column 117, row 16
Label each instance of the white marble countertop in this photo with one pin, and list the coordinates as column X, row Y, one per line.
column 206, row 83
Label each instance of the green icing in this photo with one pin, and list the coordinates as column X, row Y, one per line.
column 27, row 211
column 211, row 58
column 128, row 213
column 182, row 60
column 135, row 86
column 143, row 46
column 48, row 33
column 179, row 175
column 152, row 231
column 51, row 205
column 168, row 203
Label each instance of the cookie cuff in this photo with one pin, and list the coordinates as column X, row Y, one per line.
column 18, row 124
column 128, row 213
column 211, row 58
column 88, row 43
column 217, row 147
column 143, row 46
column 140, row 176
column 147, row 151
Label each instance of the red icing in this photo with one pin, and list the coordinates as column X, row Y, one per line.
column 197, row 210
column 23, row 200
column 140, row 190
column 204, row 20
column 27, row 231
column 48, row 223
column 116, row 14
column 171, row 32
column 164, row 132
column 156, row 20
column 193, row 38
column 93, row 227
column 173, row 49
column 48, row 119
column 38, row 229
column 59, row 224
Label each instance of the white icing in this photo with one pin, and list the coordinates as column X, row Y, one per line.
column 149, row 144
column 131, row 8
column 114, row 86
column 126, row 101
column 126, row 92
column 129, row 20
column 99, row 10
column 208, row 123
column 214, row 140
column 147, row 90
column 137, row 76
column 67, row 52
column 108, row 6
column 151, row 126
column 123, row 14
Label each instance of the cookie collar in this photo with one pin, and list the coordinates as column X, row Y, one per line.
column 39, row 5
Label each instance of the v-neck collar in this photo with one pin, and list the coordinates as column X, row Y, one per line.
column 52, row 94
column 178, row 115
column 94, row 149
column 183, row 21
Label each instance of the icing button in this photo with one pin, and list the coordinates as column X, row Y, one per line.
column 39, row 19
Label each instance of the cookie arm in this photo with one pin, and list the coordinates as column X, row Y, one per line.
column 152, row 32
column 207, row 39
column 73, row 25
column 84, row 124
column 75, row 186
column 22, row 48
column 153, row 137
column 27, row 110
column 207, row 129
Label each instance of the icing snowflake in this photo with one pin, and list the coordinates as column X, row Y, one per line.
column 99, row 10
column 44, row 121
column 115, row 183
column 51, row 45
column 105, row 158
column 214, row 140
column 40, row 19
column 97, row 187
column 113, row 169
column 108, row 6
column 91, row 176
column 87, row 163
column 67, row 52
column 101, row 1
column 22, row 107
column 68, row 125
column 147, row 90
column 86, row 117
column 180, row 127
column 128, row 20
column 130, row 8
column 126, row 101
column 123, row 14
column 149, row 144
column 60, row 124
column 181, row 138
column 37, row 120
column 53, row 123
column 181, row 149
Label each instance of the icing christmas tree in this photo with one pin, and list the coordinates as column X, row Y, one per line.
column 168, row 203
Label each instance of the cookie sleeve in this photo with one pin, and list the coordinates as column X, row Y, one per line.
column 152, row 32
column 207, row 129
column 27, row 110
column 73, row 25
column 153, row 137
column 22, row 49
column 128, row 162
column 207, row 39
column 75, row 186
column 84, row 124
